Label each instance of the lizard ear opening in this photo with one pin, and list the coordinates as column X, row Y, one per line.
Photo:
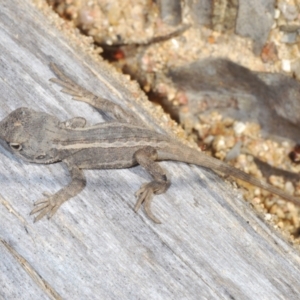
column 41, row 156
column 15, row 146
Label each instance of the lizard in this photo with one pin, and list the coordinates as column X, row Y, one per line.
column 39, row 137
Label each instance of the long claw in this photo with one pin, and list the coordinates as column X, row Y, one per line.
column 53, row 211
column 46, row 194
column 58, row 81
column 141, row 198
column 138, row 204
column 47, row 206
column 70, row 91
column 148, row 211
column 38, row 208
column 59, row 73
column 40, row 215
column 145, row 195
column 78, row 98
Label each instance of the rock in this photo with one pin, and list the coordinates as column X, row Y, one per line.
column 254, row 20
column 272, row 100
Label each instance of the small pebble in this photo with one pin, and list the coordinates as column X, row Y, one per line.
column 286, row 65
column 268, row 217
column 239, row 128
column 289, row 38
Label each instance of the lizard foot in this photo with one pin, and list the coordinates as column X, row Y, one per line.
column 47, row 206
column 145, row 196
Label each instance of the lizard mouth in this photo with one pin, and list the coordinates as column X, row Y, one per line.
column 38, row 158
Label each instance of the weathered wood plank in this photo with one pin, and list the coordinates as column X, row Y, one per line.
column 210, row 245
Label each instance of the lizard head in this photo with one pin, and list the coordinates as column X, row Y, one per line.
column 28, row 135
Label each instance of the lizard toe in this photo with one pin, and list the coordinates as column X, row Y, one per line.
column 47, row 206
column 41, row 215
column 145, row 196
column 39, row 208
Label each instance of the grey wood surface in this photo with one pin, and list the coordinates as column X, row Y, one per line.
column 211, row 245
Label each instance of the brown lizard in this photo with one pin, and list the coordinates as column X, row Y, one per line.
column 41, row 138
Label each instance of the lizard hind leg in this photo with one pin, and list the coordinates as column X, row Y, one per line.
column 79, row 93
column 146, row 158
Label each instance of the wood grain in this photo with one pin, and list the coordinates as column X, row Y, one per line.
column 211, row 245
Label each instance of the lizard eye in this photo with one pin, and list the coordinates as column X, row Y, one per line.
column 40, row 156
column 15, row 146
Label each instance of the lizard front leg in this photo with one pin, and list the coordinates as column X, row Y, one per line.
column 50, row 205
column 146, row 158
column 76, row 122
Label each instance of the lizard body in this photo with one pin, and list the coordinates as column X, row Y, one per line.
column 41, row 138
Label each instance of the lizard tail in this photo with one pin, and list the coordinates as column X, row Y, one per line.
column 192, row 156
